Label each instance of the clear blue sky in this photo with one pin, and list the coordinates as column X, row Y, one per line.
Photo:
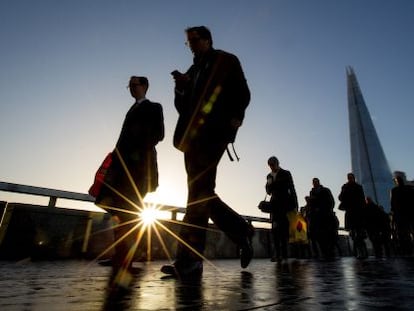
column 64, row 68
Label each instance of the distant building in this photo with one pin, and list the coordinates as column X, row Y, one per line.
column 369, row 163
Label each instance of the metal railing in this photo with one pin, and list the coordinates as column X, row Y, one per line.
column 55, row 194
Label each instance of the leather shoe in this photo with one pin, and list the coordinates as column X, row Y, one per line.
column 246, row 248
column 184, row 269
column 246, row 252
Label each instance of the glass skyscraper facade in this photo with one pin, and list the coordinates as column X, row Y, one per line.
column 368, row 160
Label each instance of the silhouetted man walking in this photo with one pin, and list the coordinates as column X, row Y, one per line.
column 133, row 172
column 210, row 98
column 279, row 184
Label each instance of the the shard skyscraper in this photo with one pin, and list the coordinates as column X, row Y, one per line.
column 369, row 164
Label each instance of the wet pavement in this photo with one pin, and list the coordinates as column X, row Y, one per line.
column 344, row 284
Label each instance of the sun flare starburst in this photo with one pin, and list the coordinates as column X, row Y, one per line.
column 149, row 215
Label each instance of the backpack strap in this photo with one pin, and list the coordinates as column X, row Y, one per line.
column 234, row 151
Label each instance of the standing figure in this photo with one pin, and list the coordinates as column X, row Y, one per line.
column 210, row 97
column 323, row 222
column 352, row 199
column 312, row 247
column 133, row 172
column 280, row 186
column 378, row 226
column 402, row 208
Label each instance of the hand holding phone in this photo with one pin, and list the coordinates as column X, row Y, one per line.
column 181, row 80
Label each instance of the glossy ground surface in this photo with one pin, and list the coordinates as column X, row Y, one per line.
column 344, row 284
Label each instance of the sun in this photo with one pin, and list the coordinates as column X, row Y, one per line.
column 148, row 215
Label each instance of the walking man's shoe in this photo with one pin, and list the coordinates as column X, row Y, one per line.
column 184, row 269
column 246, row 248
column 246, row 252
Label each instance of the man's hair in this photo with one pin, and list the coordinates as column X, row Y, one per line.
column 273, row 161
column 142, row 80
column 316, row 179
column 399, row 180
column 351, row 176
column 202, row 31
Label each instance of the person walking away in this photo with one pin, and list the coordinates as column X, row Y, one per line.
column 352, row 200
column 378, row 226
column 280, row 186
column 323, row 219
column 402, row 208
column 308, row 250
column 211, row 98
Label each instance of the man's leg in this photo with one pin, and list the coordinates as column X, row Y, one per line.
column 200, row 179
column 276, row 241
column 193, row 233
column 284, row 228
column 235, row 227
column 124, row 235
column 229, row 221
column 225, row 218
column 126, row 231
column 203, row 203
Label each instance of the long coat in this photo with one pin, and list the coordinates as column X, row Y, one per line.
column 142, row 129
column 322, row 220
column 352, row 199
column 283, row 193
column 402, row 204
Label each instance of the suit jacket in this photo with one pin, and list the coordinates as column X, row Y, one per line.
column 402, row 202
column 352, row 196
column 141, row 131
column 352, row 199
column 215, row 94
column 321, row 200
column 282, row 191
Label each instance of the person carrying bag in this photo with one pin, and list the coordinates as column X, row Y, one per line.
column 279, row 185
column 265, row 206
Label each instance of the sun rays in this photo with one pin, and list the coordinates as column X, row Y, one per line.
column 148, row 215
column 145, row 224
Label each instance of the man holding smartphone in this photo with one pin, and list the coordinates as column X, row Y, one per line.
column 211, row 98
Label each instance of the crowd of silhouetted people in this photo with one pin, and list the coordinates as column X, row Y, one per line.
column 390, row 234
column 211, row 97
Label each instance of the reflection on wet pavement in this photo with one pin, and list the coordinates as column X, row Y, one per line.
column 343, row 284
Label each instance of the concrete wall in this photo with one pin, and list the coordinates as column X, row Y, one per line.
column 40, row 232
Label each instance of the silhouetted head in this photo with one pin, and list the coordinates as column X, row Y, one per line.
column 351, row 177
column 138, row 86
column 273, row 163
column 199, row 39
column 399, row 181
column 315, row 182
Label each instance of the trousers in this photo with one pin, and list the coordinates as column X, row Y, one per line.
column 204, row 204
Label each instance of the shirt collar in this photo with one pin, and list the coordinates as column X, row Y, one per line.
column 138, row 101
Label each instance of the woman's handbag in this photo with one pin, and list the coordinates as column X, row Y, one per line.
column 265, row 206
column 100, row 174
